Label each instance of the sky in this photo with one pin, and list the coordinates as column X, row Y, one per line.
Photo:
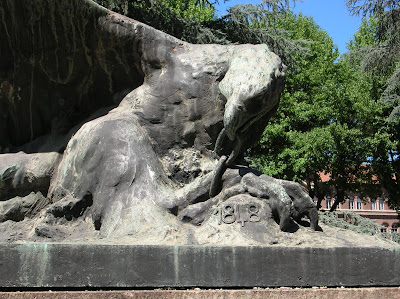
column 331, row 15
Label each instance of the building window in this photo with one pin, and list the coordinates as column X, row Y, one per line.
column 359, row 204
column 383, row 229
column 328, row 202
column 380, row 204
column 351, row 203
column 394, row 228
column 373, row 204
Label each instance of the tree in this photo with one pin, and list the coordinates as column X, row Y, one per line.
column 375, row 51
column 262, row 24
column 292, row 142
column 381, row 55
column 325, row 120
column 194, row 21
column 185, row 19
column 352, row 133
column 192, row 9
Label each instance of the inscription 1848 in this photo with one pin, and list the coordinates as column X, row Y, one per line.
column 240, row 213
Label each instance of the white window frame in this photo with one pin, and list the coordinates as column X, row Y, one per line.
column 351, row 203
column 381, row 204
column 359, row 204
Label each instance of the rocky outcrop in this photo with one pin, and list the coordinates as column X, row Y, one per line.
column 21, row 174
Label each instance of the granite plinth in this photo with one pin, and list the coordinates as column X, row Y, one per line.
column 40, row 265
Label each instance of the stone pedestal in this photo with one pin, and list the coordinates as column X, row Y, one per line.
column 86, row 266
column 278, row 293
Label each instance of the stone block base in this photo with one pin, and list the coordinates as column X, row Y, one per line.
column 88, row 266
column 281, row 293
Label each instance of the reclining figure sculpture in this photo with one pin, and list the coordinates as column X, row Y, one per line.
column 168, row 156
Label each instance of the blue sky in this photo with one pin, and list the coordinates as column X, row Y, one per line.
column 331, row 15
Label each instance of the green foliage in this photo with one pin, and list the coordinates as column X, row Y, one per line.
column 395, row 237
column 194, row 21
column 350, row 221
column 380, row 55
column 192, row 9
column 188, row 20
column 353, row 222
column 366, row 34
column 374, row 50
column 262, row 23
column 188, row 9
column 325, row 123
column 365, row 7
column 385, row 161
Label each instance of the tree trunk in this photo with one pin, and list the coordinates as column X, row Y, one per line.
column 319, row 202
column 339, row 199
column 311, row 190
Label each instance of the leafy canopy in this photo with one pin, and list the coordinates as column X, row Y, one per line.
column 374, row 50
column 195, row 21
column 380, row 52
column 325, row 122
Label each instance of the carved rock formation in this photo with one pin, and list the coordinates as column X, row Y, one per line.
column 148, row 167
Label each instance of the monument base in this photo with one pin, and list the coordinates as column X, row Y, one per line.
column 85, row 266
column 281, row 293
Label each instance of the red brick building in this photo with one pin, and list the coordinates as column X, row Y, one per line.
column 375, row 209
